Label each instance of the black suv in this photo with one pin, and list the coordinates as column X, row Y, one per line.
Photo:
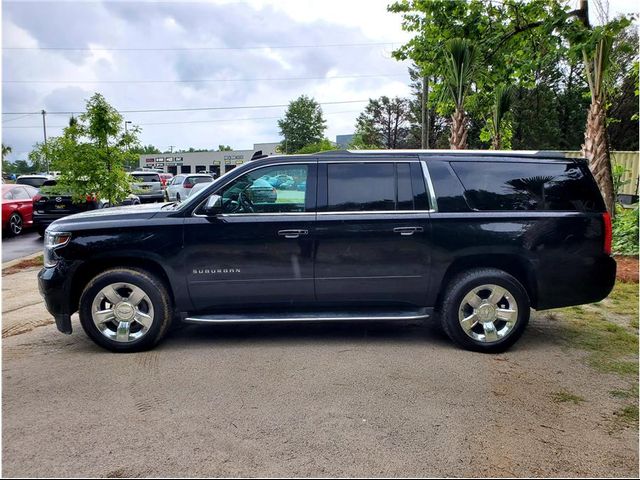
column 476, row 238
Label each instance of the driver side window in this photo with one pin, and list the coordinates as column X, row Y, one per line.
column 274, row 189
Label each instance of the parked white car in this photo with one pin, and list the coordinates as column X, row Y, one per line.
column 181, row 185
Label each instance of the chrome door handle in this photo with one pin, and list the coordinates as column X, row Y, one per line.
column 292, row 233
column 405, row 231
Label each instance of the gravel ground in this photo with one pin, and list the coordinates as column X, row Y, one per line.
column 301, row 400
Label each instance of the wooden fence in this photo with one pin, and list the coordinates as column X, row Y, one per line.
column 629, row 160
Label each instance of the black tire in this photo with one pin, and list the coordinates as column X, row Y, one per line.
column 16, row 224
column 177, row 197
column 452, row 306
column 41, row 231
column 157, row 294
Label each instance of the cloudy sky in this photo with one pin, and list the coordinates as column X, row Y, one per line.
column 172, row 55
column 178, row 55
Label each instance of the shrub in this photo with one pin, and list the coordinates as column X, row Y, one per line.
column 625, row 231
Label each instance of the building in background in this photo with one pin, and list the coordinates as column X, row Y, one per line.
column 203, row 162
column 343, row 141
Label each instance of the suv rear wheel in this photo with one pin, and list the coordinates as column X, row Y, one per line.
column 485, row 310
column 125, row 310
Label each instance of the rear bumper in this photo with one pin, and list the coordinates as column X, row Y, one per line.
column 43, row 220
column 151, row 197
column 589, row 282
column 55, row 288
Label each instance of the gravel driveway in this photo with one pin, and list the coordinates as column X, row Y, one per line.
column 301, row 400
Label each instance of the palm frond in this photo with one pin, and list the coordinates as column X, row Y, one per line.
column 461, row 63
column 502, row 102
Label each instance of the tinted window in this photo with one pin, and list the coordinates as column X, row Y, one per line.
column 146, row 178
column 274, row 189
column 528, row 186
column 361, row 187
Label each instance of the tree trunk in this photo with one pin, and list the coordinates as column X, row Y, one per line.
column 496, row 142
column 596, row 151
column 458, row 139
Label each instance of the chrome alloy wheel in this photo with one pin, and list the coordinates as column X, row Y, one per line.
column 122, row 312
column 488, row 313
column 15, row 224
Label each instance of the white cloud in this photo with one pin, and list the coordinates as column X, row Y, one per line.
column 229, row 24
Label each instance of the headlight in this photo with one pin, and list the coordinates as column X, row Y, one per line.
column 52, row 242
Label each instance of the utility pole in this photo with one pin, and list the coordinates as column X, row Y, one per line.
column 44, row 128
column 425, row 112
column 171, row 148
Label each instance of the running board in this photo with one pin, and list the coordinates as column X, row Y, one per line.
column 335, row 316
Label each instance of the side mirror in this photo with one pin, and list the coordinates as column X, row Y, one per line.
column 213, row 205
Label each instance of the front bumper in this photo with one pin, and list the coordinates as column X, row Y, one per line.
column 55, row 289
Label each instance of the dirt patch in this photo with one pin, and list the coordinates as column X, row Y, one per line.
column 29, row 263
column 627, row 270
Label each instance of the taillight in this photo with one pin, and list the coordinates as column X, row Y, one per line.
column 188, row 185
column 36, row 198
column 608, row 233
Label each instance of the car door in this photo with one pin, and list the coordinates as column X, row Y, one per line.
column 25, row 206
column 257, row 249
column 372, row 232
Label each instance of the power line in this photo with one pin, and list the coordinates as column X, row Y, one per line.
column 198, row 109
column 218, row 120
column 216, row 80
column 187, row 49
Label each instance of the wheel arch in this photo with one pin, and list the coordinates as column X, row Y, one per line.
column 516, row 266
column 90, row 269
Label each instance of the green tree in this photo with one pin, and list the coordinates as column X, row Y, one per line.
column 92, row 152
column 224, row 148
column 384, row 123
column 303, row 124
column 321, row 146
column 145, row 149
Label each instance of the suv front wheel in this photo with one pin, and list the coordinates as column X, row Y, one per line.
column 485, row 310
column 125, row 310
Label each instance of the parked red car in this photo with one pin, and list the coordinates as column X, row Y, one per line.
column 17, row 208
column 164, row 178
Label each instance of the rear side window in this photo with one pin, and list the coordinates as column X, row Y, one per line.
column 361, row 187
column 528, row 186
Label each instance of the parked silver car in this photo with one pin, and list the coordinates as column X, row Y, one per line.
column 182, row 184
column 147, row 186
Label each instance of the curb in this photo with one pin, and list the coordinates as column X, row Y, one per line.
column 16, row 261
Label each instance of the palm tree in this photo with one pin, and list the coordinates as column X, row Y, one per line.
column 596, row 142
column 461, row 63
column 6, row 150
column 501, row 106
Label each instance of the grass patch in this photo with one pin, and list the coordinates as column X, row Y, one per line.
column 627, row 415
column 632, row 392
column 613, row 347
column 18, row 267
column 566, row 397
